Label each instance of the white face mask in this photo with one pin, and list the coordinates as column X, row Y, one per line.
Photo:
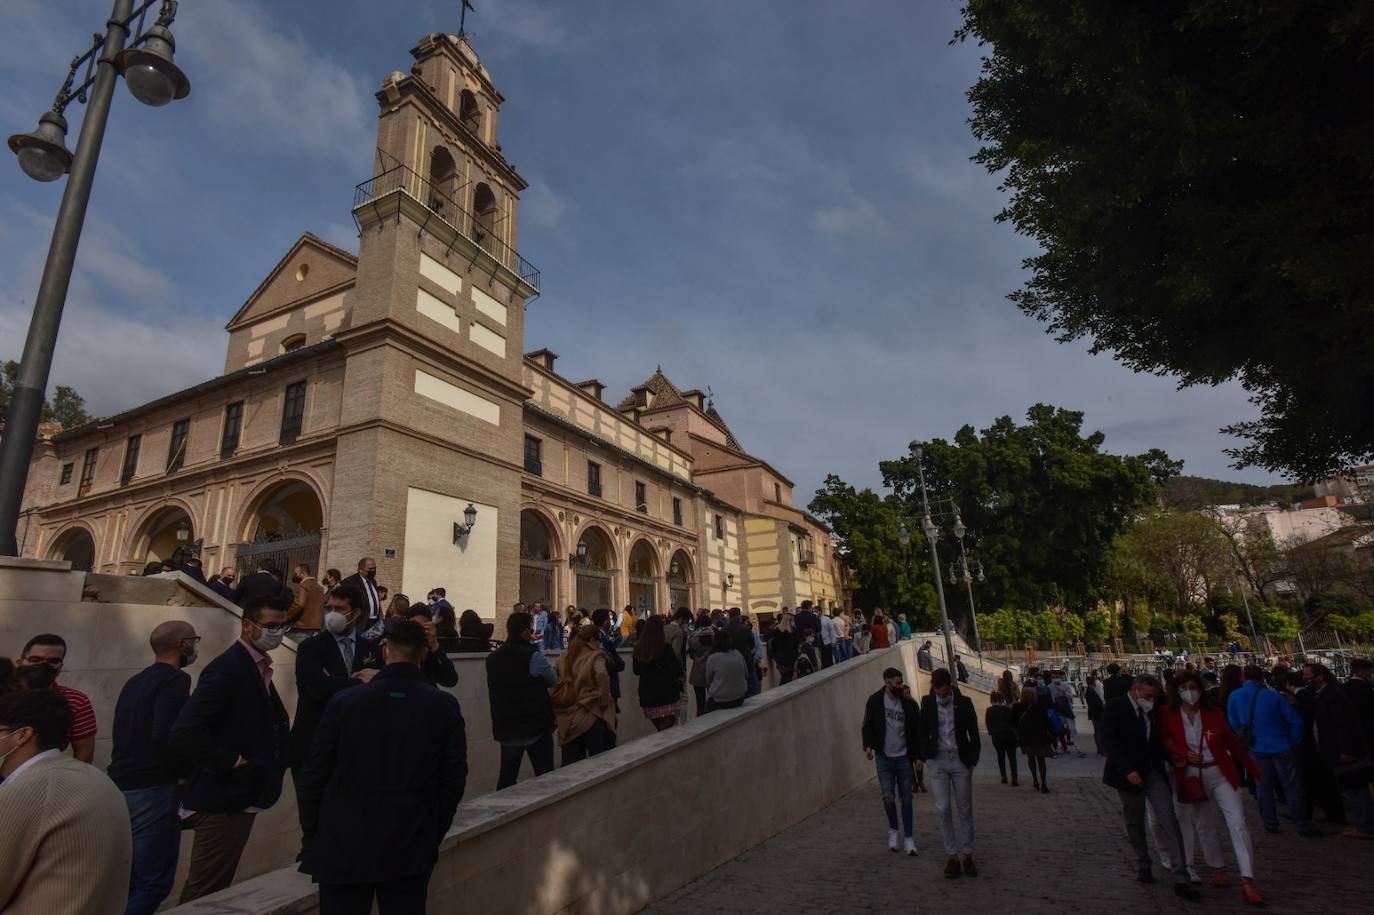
column 335, row 621
column 4, row 757
column 1146, row 705
column 1189, row 696
column 269, row 639
column 189, row 657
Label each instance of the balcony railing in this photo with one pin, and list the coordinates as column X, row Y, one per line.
column 401, row 179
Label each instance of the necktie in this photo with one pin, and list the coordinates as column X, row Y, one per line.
column 1144, row 726
column 346, row 646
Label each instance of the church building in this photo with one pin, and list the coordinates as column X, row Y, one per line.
column 383, row 404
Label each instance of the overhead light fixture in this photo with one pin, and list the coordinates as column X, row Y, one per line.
column 43, row 152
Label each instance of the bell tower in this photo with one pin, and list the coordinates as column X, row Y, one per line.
column 434, row 387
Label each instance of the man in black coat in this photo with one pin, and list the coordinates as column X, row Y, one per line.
column 233, row 733
column 263, row 583
column 891, row 735
column 365, row 580
column 1116, row 683
column 334, row 659
column 1135, row 767
column 1342, row 748
column 412, row 734
column 950, row 747
column 519, row 678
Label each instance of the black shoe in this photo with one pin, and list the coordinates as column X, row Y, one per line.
column 1310, row 833
column 1004, row 779
column 1044, row 790
column 1186, row 891
column 1144, row 876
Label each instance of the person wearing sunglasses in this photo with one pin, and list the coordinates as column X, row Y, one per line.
column 39, row 665
column 234, row 733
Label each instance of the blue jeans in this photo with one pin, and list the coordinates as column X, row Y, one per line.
column 753, row 678
column 843, row 650
column 894, row 778
column 1280, row 771
column 157, row 839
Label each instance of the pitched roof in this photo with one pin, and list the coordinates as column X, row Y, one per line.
column 667, row 394
column 347, row 258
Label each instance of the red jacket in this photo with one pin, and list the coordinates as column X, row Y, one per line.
column 1228, row 752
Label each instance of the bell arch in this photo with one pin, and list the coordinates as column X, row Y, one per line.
column 540, row 552
column 594, row 562
column 75, row 544
column 282, row 524
column 642, row 568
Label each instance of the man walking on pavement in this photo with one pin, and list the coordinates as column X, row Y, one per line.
column 892, row 738
column 1271, row 729
column 1136, row 769
column 950, row 747
column 519, row 678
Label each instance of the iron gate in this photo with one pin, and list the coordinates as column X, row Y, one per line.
column 536, row 582
column 283, row 549
column 593, row 590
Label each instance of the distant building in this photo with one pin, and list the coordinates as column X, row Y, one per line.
column 1356, row 485
column 371, row 404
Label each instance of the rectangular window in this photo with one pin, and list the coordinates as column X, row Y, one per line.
column 677, row 511
column 292, row 413
column 233, row 428
column 641, row 497
column 593, row 478
column 534, row 455
column 88, row 470
column 130, row 459
column 66, row 474
column 720, row 527
column 176, row 450
column 777, row 492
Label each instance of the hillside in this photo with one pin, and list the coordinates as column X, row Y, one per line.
column 1194, row 492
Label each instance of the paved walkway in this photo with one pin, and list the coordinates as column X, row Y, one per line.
column 1063, row 852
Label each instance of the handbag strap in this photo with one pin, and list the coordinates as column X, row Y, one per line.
column 1254, row 700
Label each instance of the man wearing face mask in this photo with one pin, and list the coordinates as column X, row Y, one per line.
column 1135, row 767
column 327, row 663
column 308, row 603
column 64, row 828
column 143, row 767
column 39, row 666
column 233, row 732
column 950, row 747
column 365, row 580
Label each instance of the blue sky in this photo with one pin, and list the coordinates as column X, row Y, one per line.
column 770, row 198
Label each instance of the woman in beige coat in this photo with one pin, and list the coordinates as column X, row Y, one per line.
column 582, row 700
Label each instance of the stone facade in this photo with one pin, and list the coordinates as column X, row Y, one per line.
column 368, row 400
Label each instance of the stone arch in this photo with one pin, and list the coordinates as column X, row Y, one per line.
column 485, row 214
column 470, row 112
column 443, row 178
column 75, row 543
column 262, row 495
column 594, row 575
column 282, row 523
column 681, row 576
column 643, row 569
column 541, row 553
column 597, row 528
column 155, row 535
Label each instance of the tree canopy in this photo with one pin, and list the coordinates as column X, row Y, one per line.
column 65, row 406
column 1199, row 177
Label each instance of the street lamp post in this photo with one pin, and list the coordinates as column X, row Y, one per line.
column 966, row 572
column 931, row 531
column 146, row 64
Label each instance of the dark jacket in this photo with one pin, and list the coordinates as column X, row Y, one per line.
column 1337, row 732
column 1034, row 730
column 807, row 620
column 782, row 648
column 1117, row 685
column 320, row 674
column 223, row 590
column 660, row 681
column 1095, row 703
column 230, row 715
column 965, row 729
column 261, row 584
column 874, row 729
column 385, row 775
column 520, row 705
column 614, row 665
column 359, row 584
column 1001, row 725
column 1128, row 749
column 147, row 708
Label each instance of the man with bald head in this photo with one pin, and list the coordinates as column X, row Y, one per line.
column 142, row 765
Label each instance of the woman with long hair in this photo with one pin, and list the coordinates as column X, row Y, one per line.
column 879, row 633
column 553, row 633
column 1207, row 759
column 700, row 644
column 659, row 673
column 1035, row 733
column 783, row 647
column 727, row 676
column 1001, row 728
column 584, row 708
column 1006, row 685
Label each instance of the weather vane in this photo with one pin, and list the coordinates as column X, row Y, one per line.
column 463, row 17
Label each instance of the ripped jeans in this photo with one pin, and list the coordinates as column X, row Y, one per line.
column 894, row 778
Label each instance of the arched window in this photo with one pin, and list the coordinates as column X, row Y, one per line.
column 470, row 113
column 293, row 342
column 442, row 172
column 484, row 214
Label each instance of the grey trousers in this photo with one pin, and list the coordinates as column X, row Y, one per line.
column 215, row 851
column 952, row 783
column 1160, row 797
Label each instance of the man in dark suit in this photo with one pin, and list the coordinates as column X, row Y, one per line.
column 223, row 585
column 1135, row 767
column 413, row 733
column 1341, row 747
column 365, row 580
column 327, row 663
column 262, row 583
column 950, row 747
column 233, row 734
column 1116, row 683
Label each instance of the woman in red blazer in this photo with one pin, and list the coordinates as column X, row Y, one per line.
column 1203, row 749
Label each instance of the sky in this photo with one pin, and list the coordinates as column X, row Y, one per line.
column 773, row 199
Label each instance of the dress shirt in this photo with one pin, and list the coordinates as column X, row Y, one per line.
column 349, row 656
column 46, row 754
column 1192, row 734
column 946, row 712
column 263, row 662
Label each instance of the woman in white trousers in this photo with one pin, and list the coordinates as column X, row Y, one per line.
column 1206, row 758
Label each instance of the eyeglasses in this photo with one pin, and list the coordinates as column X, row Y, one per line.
column 194, row 640
column 34, row 661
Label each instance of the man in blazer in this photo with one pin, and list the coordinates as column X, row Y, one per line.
column 1116, row 683
column 950, row 747
column 413, row 732
column 233, row 733
column 891, row 735
column 365, row 580
column 1135, row 767
column 262, row 583
column 307, row 607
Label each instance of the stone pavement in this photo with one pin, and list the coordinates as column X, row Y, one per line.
column 1063, row 852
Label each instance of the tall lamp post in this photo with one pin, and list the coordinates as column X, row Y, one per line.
column 146, row 65
column 966, row 571
column 931, row 531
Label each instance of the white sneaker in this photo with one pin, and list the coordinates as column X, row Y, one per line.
column 911, row 847
column 892, row 840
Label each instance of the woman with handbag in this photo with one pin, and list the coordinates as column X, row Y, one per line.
column 1207, row 758
column 582, row 702
column 660, row 675
column 1035, row 733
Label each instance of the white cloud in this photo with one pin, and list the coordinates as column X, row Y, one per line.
column 540, row 206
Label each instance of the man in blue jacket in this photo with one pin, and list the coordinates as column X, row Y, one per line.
column 233, row 733
column 413, row 734
column 1272, row 729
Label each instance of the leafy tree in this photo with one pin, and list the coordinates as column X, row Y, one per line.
column 1194, row 629
column 1279, row 625
column 1199, row 179
column 66, row 406
column 1041, row 501
column 1230, row 626
column 1098, row 624
column 1007, row 627
column 1180, row 556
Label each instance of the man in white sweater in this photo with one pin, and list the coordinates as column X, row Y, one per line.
column 64, row 827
